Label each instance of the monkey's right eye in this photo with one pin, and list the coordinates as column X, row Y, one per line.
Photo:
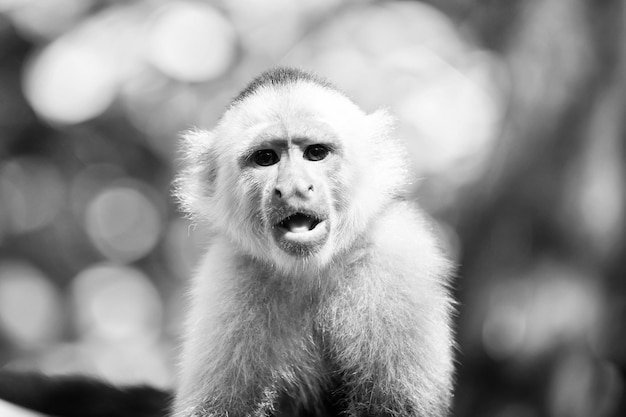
column 265, row 157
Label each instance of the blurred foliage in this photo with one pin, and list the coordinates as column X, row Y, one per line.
column 513, row 113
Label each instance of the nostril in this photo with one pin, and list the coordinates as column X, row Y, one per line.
column 277, row 193
column 311, row 188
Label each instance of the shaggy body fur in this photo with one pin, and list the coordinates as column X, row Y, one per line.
column 356, row 323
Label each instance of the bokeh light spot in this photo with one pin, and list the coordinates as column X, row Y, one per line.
column 191, row 41
column 269, row 27
column 115, row 302
column 123, row 223
column 531, row 315
column 452, row 115
column 69, row 82
column 29, row 305
column 45, row 18
column 31, row 194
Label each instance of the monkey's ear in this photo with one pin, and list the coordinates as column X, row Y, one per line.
column 195, row 184
column 390, row 152
column 382, row 121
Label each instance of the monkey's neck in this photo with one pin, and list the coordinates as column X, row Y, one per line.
column 260, row 279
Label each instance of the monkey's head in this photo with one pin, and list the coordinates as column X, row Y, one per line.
column 294, row 172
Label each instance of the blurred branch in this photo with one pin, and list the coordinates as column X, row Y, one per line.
column 559, row 74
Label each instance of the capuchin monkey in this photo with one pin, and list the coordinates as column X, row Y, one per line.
column 323, row 291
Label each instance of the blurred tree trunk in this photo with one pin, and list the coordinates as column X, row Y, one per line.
column 566, row 63
column 556, row 186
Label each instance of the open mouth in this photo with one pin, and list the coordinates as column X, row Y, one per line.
column 299, row 230
column 299, row 223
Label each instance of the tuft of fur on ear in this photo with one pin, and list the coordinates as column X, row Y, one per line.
column 382, row 173
column 389, row 155
column 195, row 185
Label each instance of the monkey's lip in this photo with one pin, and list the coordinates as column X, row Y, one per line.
column 301, row 228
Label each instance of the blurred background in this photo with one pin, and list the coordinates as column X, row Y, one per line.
column 513, row 113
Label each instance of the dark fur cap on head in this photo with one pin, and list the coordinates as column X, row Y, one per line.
column 281, row 76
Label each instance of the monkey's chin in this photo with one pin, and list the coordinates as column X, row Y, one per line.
column 302, row 242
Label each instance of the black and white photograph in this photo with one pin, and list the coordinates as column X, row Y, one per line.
column 314, row 208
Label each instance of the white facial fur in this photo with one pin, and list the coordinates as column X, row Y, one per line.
column 238, row 205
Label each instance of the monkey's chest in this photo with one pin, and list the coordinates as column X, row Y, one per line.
column 331, row 403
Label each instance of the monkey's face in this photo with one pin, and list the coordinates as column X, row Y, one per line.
column 291, row 175
column 292, row 169
column 287, row 176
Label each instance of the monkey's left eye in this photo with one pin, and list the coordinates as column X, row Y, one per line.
column 265, row 157
column 316, row 152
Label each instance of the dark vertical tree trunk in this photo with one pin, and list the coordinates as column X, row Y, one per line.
column 556, row 186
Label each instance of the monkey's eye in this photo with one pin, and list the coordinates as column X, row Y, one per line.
column 316, row 152
column 265, row 157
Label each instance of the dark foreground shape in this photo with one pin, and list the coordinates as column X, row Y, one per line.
column 77, row 396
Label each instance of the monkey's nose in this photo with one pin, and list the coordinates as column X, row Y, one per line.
column 302, row 190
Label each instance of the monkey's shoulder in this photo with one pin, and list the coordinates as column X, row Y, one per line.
column 406, row 239
column 405, row 227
